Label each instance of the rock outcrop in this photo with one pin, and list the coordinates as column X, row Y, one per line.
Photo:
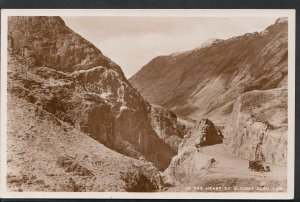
column 60, row 72
column 203, row 134
column 258, row 127
column 190, row 160
column 48, row 42
column 168, row 126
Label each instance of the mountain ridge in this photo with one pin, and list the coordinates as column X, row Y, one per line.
column 214, row 81
column 177, row 77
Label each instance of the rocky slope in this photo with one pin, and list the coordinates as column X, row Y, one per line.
column 47, row 154
column 54, row 71
column 197, row 82
column 168, row 126
column 207, row 81
column 48, row 42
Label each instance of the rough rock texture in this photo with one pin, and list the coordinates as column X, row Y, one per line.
column 91, row 94
column 48, row 42
column 49, row 155
column 204, row 133
column 201, row 82
column 258, row 127
column 167, row 126
column 190, row 160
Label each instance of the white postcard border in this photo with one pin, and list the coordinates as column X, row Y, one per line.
column 290, row 13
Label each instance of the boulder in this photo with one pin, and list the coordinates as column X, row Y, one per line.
column 204, row 133
column 190, row 160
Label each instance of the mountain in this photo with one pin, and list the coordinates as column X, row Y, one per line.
column 48, row 42
column 71, row 108
column 199, row 81
column 75, row 123
column 240, row 84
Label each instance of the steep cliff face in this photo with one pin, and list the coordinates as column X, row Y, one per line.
column 202, row 81
column 258, row 127
column 90, row 93
column 190, row 160
column 168, row 126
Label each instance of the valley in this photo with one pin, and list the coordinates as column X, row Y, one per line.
column 184, row 121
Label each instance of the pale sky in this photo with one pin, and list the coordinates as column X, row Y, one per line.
column 132, row 42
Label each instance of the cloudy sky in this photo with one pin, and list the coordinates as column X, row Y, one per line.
column 132, row 42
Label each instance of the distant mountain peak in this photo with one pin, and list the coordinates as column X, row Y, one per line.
column 205, row 44
column 281, row 20
column 210, row 42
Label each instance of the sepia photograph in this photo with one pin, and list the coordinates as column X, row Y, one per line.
column 147, row 103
